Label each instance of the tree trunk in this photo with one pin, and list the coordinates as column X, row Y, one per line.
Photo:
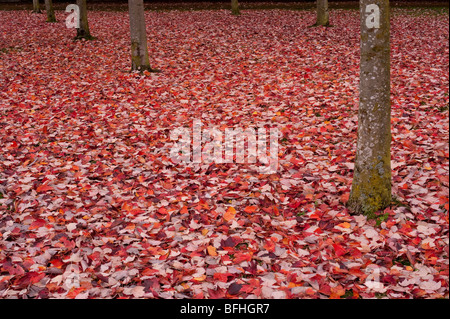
column 36, row 7
column 139, row 52
column 83, row 30
column 235, row 7
column 323, row 17
column 371, row 187
column 50, row 12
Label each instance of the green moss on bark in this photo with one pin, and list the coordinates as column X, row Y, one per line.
column 137, row 63
column 371, row 190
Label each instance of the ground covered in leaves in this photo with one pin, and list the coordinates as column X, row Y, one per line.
column 91, row 205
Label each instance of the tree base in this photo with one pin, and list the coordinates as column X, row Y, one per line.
column 327, row 25
column 369, row 208
column 144, row 69
column 83, row 34
column 85, row 37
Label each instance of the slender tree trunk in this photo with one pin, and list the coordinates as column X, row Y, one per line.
column 83, row 30
column 36, row 7
column 50, row 12
column 323, row 17
column 371, row 188
column 139, row 51
column 235, row 7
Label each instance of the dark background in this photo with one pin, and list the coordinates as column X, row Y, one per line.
column 222, row 1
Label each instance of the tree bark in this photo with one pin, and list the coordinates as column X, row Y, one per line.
column 323, row 17
column 83, row 31
column 50, row 12
column 139, row 51
column 371, row 187
column 235, row 7
column 36, row 6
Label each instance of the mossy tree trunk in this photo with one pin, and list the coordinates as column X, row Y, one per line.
column 235, row 7
column 139, row 51
column 323, row 16
column 371, row 187
column 83, row 31
column 50, row 12
column 36, row 6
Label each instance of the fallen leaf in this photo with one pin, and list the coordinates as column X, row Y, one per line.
column 211, row 251
column 229, row 214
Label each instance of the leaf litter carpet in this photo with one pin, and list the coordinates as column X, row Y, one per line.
column 92, row 206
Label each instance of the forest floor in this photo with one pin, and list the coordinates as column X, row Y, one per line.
column 93, row 206
column 438, row 6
